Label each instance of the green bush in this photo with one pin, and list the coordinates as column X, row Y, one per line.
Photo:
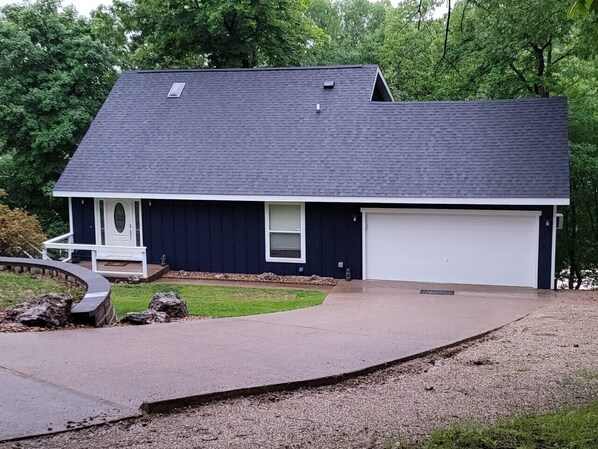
column 20, row 232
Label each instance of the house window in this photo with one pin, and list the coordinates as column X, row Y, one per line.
column 137, row 224
column 285, row 232
column 102, row 224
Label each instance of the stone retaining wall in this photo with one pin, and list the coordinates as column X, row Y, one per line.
column 95, row 309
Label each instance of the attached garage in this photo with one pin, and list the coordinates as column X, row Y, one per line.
column 451, row 246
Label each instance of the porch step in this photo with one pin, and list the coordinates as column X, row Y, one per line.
column 154, row 271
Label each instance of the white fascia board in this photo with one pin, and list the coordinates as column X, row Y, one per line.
column 379, row 74
column 320, row 199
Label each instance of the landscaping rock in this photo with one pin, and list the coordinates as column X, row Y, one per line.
column 264, row 277
column 146, row 317
column 133, row 279
column 48, row 310
column 268, row 276
column 170, row 303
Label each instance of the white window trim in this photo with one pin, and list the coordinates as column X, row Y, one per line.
column 267, row 234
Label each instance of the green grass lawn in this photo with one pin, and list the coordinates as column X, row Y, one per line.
column 16, row 287
column 571, row 429
column 216, row 302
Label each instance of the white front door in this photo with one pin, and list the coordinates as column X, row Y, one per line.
column 120, row 226
column 116, row 224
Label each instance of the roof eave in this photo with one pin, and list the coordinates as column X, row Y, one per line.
column 546, row 201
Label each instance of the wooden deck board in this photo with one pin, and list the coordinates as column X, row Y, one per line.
column 153, row 271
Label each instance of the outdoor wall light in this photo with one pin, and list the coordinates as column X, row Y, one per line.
column 547, row 222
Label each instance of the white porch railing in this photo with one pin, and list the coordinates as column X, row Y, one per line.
column 130, row 253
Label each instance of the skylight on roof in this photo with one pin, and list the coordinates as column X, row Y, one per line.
column 176, row 90
column 328, row 84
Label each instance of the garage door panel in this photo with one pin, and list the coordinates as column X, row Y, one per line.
column 452, row 248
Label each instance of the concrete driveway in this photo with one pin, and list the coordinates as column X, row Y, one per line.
column 51, row 381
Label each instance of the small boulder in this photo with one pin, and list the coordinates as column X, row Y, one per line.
column 146, row 317
column 268, row 276
column 48, row 310
column 170, row 303
column 315, row 279
column 133, row 279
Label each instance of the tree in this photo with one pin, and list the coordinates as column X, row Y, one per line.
column 20, row 233
column 583, row 7
column 353, row 31
column 215, row 33
column 54, row 76
column 411, row 49
column 508, row 48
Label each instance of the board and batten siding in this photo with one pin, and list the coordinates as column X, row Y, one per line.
column 229, row 237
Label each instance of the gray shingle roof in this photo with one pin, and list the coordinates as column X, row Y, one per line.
column 256, row 132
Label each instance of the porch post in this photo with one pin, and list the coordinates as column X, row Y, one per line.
column 144, row 263
column 94, row 261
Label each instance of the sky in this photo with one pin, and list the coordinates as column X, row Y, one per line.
column 83, row 6
column 86, row 6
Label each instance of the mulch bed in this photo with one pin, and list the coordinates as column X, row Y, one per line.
column 264, row 277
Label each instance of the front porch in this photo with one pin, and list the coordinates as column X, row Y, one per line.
column 112, row 262
column 113, row 269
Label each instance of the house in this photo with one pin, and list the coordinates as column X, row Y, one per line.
column 318, row 171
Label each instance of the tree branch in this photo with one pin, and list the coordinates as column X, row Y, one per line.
column 520, row 75
column 419, row 12
column 446, row 36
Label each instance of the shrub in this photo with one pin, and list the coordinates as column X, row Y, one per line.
column 20, row 232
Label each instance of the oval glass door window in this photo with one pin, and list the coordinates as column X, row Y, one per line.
column 119, row 217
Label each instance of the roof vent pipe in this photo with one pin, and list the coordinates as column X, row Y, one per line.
column 318, row 110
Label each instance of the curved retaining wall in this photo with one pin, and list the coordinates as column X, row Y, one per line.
column 95, row 309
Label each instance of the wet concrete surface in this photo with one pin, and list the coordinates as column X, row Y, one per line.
column 67, row 377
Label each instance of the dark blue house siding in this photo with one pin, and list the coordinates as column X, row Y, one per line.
column 229, row 236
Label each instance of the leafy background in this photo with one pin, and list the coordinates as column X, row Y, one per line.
column 56, row 68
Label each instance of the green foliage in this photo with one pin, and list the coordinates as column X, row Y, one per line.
column 352, row 30
column 216, row 302
column 508, row 49
column 214, row 33
column 16, row 288
column 583, row 7
column 411, row 51
column 564, row 429
column 57, row 68
column 20, row 233
column 54, row 77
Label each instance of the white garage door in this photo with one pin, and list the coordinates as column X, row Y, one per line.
column 456, row 246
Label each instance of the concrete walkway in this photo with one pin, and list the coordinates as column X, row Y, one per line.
column 64, row 379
